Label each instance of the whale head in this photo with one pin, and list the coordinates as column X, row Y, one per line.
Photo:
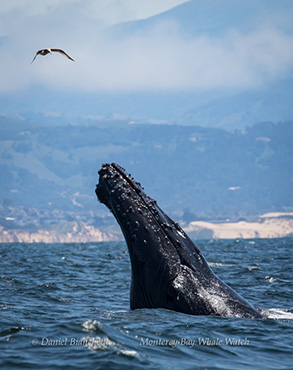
column 160, row 251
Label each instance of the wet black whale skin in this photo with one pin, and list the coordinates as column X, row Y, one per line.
column 168, row 270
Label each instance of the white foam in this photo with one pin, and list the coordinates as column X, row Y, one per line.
column 90, row 325
column 278, row 313
column 219, row 264
column 129, row 353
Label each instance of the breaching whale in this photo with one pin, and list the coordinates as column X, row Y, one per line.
column 167, row 269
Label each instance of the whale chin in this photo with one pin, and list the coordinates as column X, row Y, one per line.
column 167, row 269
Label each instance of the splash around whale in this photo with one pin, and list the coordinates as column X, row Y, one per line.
column 167, row 269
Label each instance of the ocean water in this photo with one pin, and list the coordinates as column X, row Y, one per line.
column 66, row 306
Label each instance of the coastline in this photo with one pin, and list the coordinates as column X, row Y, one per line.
column 267, row 226
column 78, row 233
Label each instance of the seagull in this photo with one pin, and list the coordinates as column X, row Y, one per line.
column 49, row 51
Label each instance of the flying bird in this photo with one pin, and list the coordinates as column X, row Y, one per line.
column 49, row 51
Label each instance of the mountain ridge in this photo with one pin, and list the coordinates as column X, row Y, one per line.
column 206, row 170
column 234, row 107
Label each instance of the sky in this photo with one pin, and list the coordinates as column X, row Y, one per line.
column 160, row 59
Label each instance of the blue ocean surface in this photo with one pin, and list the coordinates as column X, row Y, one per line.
column 66, row 306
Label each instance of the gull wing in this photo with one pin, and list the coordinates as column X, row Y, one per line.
column 37, row 53
column 62, row 52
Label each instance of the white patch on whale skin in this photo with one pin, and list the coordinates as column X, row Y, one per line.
column 179, row 281
column 217, row 301
column 181, row 234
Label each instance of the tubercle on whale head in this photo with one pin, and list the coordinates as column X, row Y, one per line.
column 114, row 178
column 122, row 195
column 134, row 209
column 116, row 189
column 129, row 203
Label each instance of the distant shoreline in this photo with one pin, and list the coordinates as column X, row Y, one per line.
column 268, row 226
column 80, row 233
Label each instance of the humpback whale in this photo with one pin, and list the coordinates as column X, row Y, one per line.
column 167, row 269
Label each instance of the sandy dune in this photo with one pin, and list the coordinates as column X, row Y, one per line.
column 269, row 225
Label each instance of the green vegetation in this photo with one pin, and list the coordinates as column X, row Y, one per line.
column 193, row 172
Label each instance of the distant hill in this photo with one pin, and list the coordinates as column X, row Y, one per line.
column 226, row 108
column 213, row 17
column 193, row 172
column 273, row 102
column 221, row 108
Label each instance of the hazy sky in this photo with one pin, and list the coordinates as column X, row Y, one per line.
column 105, row 11
column 159, row 59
